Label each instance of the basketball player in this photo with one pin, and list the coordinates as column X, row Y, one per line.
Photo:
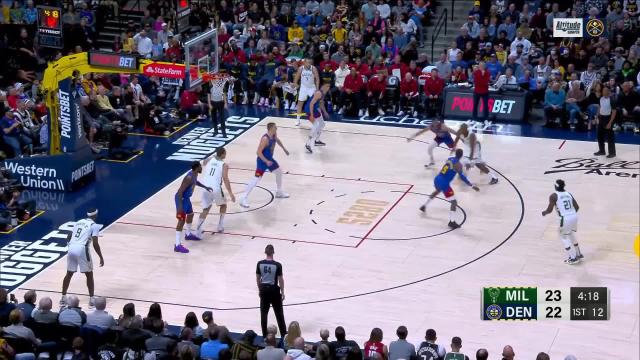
column 265, row 161
column 308, row 78
column 215, row 172
column 473, row 146
column 316, row 110
column 567, row 208
column 442, row 183
column 184, row 209
column 85, row 232
column 443, row 135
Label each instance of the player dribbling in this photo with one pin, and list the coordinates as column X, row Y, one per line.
column 265, row 161
column 442, row 183
column 443, row 135
column 474, row 149
column 567, row 208
column 216, row 171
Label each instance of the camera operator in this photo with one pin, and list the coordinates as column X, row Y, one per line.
column 117, row 139
column 23, row 209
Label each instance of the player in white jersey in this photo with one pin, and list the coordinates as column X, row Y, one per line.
column 474, row 149
column 567, row 208
column 308, row 79
column 85, row 232
column 215, row 173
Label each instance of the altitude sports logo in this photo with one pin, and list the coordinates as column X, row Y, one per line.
column 591, row 166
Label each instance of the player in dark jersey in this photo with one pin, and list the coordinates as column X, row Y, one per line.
column 315, row 109
column 442, row 184
column 184, row 209
column 443, row 135
column 271, row 289
column 265, row 161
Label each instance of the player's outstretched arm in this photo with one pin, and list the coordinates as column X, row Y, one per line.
column 472, row 145
column 96, row 247
column 282, row 146
column 463, row 177
column 227, row 183
column 552, row 201
column 420, row 132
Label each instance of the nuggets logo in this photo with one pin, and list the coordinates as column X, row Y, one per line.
column 595, row 27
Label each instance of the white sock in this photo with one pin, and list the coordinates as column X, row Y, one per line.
column 493, row 175
column 200, row 223
column 188, row 228
column 278, row 173
column 427, row 202
column 320, row 127
column 452, row 215
column 178, row 237
column 221, row 221
column 250, row 186
column 568, row 246
column 432, row 146
column 574, row 241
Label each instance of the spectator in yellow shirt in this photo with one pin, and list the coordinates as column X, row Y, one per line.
column 295, row 33
column 501, row 54
column 339, row 33
column 128, row 43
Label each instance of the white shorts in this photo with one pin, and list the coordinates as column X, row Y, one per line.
column 305, row 93
column 79, row 256
column 477, row 157
column 217, row 196
column 568, row 224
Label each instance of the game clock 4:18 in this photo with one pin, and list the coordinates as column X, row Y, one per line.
column 589, row 303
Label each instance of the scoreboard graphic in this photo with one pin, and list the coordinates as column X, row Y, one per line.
column 533, row 303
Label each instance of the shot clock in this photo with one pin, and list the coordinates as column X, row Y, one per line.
column 50, row 26
column 534, row 303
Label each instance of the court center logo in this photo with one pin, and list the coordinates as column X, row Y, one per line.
column 593, row 166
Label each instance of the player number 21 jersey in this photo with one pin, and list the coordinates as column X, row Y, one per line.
column 564, row 204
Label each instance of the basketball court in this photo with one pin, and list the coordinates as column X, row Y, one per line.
column 357, row 252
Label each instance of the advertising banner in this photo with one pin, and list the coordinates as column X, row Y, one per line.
column 508, row 106
column 72, row 137
column 64, row 172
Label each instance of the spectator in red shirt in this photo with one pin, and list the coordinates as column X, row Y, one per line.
column 375, row 92
column 409, row 94
column 326, row 61
column 353, row 90
column 361, row 68
column 481, row 79
column 190, row 103
column 458, row 75
column 398, row 65
column 433, row 88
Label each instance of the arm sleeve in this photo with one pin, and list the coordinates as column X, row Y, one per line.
column 95, row 229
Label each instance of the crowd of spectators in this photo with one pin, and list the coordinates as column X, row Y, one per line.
column 369, row 51
column 31, row 328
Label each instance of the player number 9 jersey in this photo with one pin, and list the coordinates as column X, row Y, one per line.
column 83, row 231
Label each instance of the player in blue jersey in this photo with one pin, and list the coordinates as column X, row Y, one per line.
column 184, row 209
column 443, row 135
column 442, row 183
column 266, row 162
column 314, row 107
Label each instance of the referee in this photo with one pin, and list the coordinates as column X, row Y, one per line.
column 217, row 100
column 271, row 288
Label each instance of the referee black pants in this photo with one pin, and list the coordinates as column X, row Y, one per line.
column 606, row 135
column 217, row 117
column 270, row 296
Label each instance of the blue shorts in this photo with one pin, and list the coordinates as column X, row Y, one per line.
column 443, row 187
column 261, row 166
column 187, row 208
column 447, row 140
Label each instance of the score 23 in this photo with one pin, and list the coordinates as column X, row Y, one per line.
column 363, row 212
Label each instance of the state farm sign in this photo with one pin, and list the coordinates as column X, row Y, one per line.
column 163, row 70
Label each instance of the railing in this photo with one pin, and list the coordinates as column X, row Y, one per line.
column 442, row 21
column 453, row 8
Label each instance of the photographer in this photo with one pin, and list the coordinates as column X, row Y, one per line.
column 23, row 209
column 117, row 139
